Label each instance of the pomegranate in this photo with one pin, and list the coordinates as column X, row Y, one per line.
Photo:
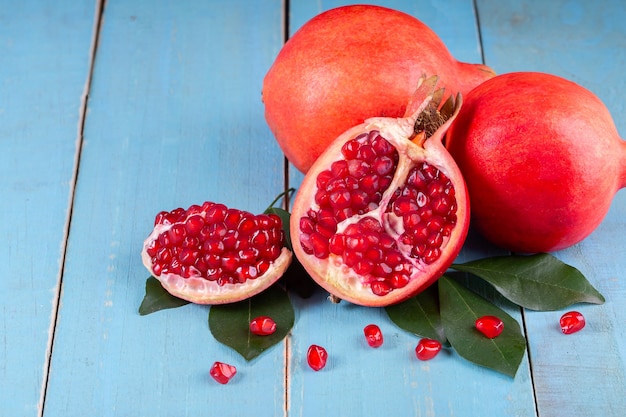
column 383, row 212
column 212, row 254
column 542, row 160
column 348, row 64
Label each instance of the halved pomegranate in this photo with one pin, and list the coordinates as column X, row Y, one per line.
column 384, row 211
column 212, row 254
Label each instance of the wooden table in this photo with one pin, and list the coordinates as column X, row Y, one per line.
column 112, row 112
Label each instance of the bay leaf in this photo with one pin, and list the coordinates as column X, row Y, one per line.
column 419, row 315
column 460, row 308
column 157, row 298
column 230, row 323
column 537, row 282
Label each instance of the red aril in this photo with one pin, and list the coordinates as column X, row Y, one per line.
column 383, row 212
column 222, row 372
column 427, row 349
column 262, row 326
column 212, row 254
column 490, row 326
column 373, row 335
column 542, row 160
column 348, row 64
column 316, row 357
column 572, row 322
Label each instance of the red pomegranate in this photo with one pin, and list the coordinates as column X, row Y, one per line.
column 542, row 160
column 383, row 211
column 212, row 254
column 349, row 64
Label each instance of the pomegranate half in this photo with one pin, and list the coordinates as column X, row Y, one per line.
column 542, row 160
column 348, row 64
column 383, row 212
column 212, row 254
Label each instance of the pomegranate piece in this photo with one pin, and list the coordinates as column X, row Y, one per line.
column 490, row 326
column 262, row 326
column 316, row 357
column 536, row 183
column 212, row 254
column 340, row 92
column 572, row 322
column 384, row 211
column 373, row 335
column 427, row 349
column 222, row 372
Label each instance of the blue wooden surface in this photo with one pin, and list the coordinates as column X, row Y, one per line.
column 174, row 117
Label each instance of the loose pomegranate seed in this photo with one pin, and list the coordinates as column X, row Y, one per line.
column 490, row 326
column 316, row 357
column 427, row 349
column 373, row 335
column 222, row 372
column 425, row 206
column 571, row 322
column 262, row 326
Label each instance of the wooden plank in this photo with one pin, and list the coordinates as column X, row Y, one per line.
column 390, row 380
column 174, row 118
column 581, row 374
column 44, row 64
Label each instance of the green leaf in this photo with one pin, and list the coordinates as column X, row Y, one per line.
column 460, row 308
column 419, row 315
column 537, row 282
column 229, row 323
column 157, row 298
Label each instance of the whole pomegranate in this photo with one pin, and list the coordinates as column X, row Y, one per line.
column 348, row 64
column 542, row 160
column 383, row 211
column 212, row 254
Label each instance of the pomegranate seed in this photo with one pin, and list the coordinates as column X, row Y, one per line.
column 222, row 372
column 316, row 357
column 427, row 349
column 490, row 326
column 262, row 326
column 572, row 322
column 373, row 335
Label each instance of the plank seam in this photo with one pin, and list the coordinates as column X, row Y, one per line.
column 530, row 363
column 82, row 112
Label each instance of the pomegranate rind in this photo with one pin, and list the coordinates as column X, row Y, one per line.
column 202, row 291
column 331, row 273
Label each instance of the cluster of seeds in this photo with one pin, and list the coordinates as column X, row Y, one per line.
column 352, row 186
column 372, row 253
column 217, row 243
column 427, row 206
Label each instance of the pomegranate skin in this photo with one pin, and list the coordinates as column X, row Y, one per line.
column 348, row 64
column 542, row 160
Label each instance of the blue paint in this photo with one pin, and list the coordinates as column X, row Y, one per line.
column 175, row 118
